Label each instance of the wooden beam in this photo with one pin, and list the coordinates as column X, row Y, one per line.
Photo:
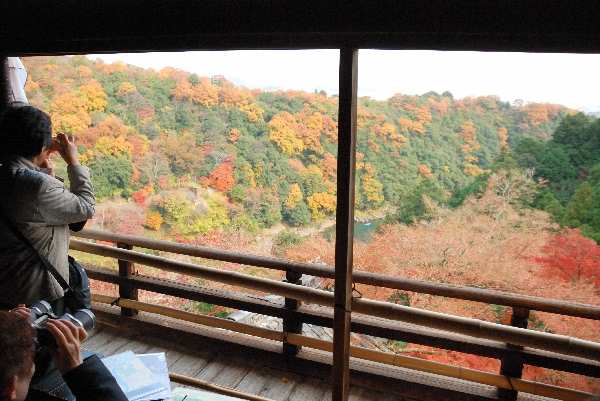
column 344, row 223
column 5, row 89
column 92, row 26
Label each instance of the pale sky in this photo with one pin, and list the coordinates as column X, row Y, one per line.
column 568, row 79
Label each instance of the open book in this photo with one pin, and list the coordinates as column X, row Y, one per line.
column 141, row 377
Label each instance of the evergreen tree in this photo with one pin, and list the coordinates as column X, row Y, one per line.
column 577, row 211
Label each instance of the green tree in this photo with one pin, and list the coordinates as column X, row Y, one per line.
column 548, row 203
column 111, row 175
column 556, row 166
column 577, row 211
column 528, row 152
column 299, row 215
column 412, row 207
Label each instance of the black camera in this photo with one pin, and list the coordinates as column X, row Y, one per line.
column 41, row 311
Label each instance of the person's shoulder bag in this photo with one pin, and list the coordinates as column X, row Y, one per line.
column 77, row 291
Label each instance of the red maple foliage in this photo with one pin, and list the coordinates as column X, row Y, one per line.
column 222, row 178
column 571, row 257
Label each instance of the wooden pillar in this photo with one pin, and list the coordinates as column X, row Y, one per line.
column 5, row 89
column 344, row 224
column 513, row 367
column 292, row 324
column 126, row 290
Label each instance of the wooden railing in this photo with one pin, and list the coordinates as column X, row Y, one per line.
column 514, row 345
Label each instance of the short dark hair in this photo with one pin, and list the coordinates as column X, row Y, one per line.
column 17, row 347
column 24, row 130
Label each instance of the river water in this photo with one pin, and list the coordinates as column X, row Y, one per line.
column 363, row 232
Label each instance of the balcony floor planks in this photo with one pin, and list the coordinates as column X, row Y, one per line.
column 244, row 363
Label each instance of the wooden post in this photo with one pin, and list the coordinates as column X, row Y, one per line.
column 290, row 323
column 5, row 89
column 513, row 367
column 126, row 290
column 344, row 224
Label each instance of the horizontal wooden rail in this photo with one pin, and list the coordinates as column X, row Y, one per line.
column 472, row 327
column 305, row 294
column 378, row 280
column 358, row 352
column 377, row 327
column 214, row 387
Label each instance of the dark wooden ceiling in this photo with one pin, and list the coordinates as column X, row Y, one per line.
column 93, row 26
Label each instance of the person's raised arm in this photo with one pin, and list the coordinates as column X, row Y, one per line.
column 67, row 149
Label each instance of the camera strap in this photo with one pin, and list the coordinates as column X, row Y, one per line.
column 13, row 228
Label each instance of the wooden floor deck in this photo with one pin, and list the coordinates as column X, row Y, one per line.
column 258, row 367
column 223, row 370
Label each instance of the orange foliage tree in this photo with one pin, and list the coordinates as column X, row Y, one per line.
column 221, row 178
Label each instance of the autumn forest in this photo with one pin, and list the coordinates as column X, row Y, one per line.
column 474, row 191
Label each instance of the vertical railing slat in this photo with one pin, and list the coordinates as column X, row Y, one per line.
column 126, row 290
column 291, row 324
column 513, row 367
column 344, row 223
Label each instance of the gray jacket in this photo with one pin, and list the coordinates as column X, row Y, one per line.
column 41, row 208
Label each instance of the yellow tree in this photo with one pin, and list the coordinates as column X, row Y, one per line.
column 69, row 114
column 321, row 203
column 282, row 131
column 423, row 115
column 230, row 97
column 114, row 146
column 84, row 72
column 234, row 135
column 372, row 188
column 206, row 93
column 502, row 137
column 153, row 220
column 330, row 129
column 95, row 96
column 294, row 196
column 538, row 114
column 309, row 127
column 468, row 133
column 183, row 91
column 126, row 88
column 329, row 166
column 254, row 112
column 113, row 127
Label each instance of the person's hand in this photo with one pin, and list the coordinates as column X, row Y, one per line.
column 68, row 339
column 48, row 164
column 67, row 148
column 21, row 310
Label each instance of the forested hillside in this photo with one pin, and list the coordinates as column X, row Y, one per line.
column 476, row 191
column 257, row 158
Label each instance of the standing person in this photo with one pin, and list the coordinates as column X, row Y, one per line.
column 88, row 379
column 37, row 203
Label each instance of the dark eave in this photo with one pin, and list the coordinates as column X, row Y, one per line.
column 95, row 26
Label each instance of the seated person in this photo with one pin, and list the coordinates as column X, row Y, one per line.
column 89, row 379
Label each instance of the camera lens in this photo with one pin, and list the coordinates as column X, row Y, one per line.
column 86, row 317
column 40, row 307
